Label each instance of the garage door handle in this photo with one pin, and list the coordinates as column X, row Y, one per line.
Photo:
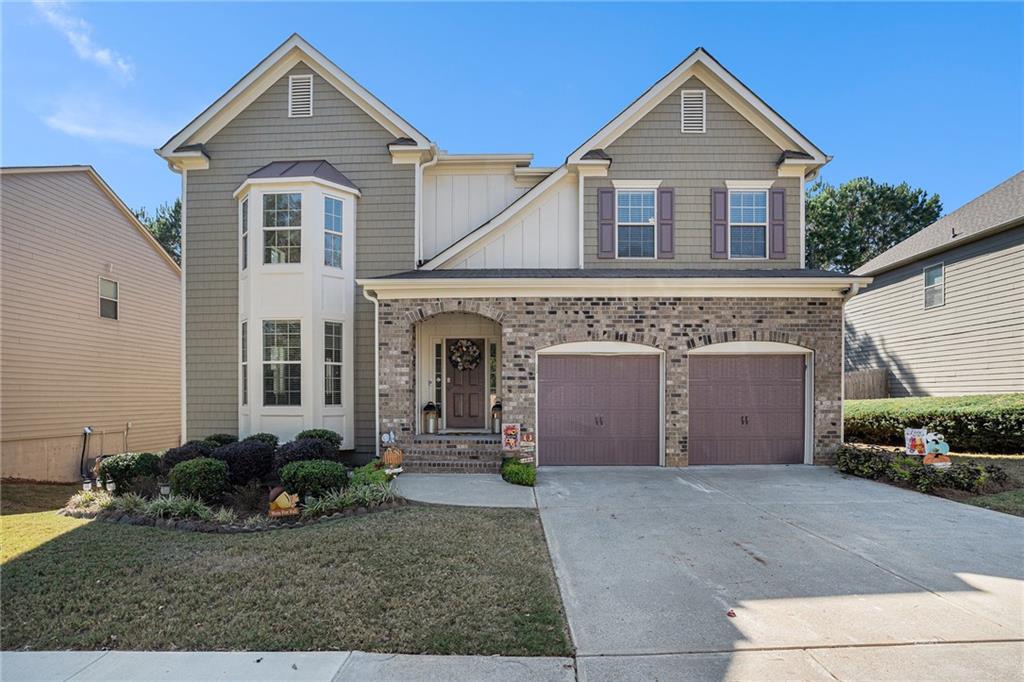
column 598, row 420
column 744, row 420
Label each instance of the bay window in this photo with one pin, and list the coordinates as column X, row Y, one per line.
column 282, row 228
column 282, row 362
column 332, row 232
column 332, row 363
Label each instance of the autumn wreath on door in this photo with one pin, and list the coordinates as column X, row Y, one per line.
column 464, row 355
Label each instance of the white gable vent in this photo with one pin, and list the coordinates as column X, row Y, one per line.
column 694, row 111
column 300, row 95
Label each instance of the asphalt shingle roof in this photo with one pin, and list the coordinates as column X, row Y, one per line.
column 1000, row 206
column 303, row 169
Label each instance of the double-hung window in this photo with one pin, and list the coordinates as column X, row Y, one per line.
column 244, row 219
column 108, row 298
column 934, row 286
column 332, row 232
column 748, row 224
column 282, row 228
column 635, row 224
column 282, row 362
column 245, row 363
column 332, row 363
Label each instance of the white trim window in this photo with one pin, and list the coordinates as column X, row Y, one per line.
column 934, row 286
column 109, row 296
column 282, row 362
column 333, row 209
column 245, row 362
column 748, row 224
column 282, row 228
column 243, row 220
column 333, row 376
column 635, row 223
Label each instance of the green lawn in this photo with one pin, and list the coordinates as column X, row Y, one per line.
column 418, row 579
column 1009, row 502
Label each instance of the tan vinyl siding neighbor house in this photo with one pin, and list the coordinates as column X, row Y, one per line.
column 63, row 365
column 969, row 338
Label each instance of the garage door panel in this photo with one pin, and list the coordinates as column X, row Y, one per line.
column 599, row 410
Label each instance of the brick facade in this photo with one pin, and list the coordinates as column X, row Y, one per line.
column 675, row 325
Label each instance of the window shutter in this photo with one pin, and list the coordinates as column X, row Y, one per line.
column 694, row 107
column 777, row 221
column 666, row 223
column 300, row 96
column 719, row 223
column 605, row 222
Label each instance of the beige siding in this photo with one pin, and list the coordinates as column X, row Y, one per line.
column 63, row 366
column 693, row 164
column 972, row 344
column 345, row 136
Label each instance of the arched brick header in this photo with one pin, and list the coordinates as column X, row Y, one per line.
column 577, row 336
column 449, row 305
column 727, row 335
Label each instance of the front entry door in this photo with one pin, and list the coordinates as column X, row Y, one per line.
column 465, row 390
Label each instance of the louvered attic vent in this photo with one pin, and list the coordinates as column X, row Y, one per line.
column 300, row 95
column 694, row 111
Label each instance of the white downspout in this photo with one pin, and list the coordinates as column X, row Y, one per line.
column 579, row 214
column 183, row 436
column 850, row 293
column 376, row 369
column 418, row 217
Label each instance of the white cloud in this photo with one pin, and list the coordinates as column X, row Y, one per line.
column 93, row 118
column 78, row 33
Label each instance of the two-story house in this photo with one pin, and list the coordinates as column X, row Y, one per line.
column 644, row 303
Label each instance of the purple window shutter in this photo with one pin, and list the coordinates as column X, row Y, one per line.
column 666, row 223
column 605, row 222
column 719, row 223
column 777, row 222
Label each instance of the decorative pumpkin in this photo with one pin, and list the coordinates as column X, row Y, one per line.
column 392, row 458
column 464, row 355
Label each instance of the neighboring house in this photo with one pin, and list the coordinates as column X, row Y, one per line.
column 643, row 303
column 945, row 313
column 89, row 327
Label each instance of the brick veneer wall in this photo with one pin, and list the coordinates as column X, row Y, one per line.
column 675, row 325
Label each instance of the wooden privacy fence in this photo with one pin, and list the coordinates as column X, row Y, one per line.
column 867, row 383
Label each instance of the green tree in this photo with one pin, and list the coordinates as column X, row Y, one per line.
column 165, row 225
column 849, row 225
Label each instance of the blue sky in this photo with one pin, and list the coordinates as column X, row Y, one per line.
column 930, row 94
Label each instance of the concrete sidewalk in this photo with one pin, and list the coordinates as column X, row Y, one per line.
column 313, row 666
column 464, row 490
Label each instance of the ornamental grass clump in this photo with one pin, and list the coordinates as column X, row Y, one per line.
column 89, row 501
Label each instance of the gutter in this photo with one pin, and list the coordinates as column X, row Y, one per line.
column 418, row 217
column 376, row 369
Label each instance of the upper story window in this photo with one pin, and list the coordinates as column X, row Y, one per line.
column 332, row 231
column 282, row 362
column 748, row 223
column 635, row 224
column 300, row 96
column 694, row 108
column 244, row 220
column 934, row 286
column 282, row 228
column 108, row 298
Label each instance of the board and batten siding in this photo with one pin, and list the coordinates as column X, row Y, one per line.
column 974, row 343
column 654, row 148
column 62, row 366
column 345, row 136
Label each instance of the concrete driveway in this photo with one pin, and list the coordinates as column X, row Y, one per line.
column 828, row 576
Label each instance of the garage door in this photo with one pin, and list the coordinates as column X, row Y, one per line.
column 598, row 410
column 746, row 409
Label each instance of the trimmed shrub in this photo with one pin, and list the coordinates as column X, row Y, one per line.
column 204, row 478
column 332, row 437
column 369, row 474
column 909, row 470
column 980, row 423
column 221, row 438
column 304, row 449
column 268, row 438
column 123, row 469
column 518, row 473
column 183, row 453
column 313, row 477
column 247, row 460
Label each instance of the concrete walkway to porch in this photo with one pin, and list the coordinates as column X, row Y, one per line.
column 464, row 490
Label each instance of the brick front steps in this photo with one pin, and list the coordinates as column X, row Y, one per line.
column 453, row 453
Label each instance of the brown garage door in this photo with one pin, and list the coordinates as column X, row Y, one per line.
column 746, row 409
column 598, row 410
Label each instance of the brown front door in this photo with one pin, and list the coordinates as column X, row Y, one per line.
column 465, row 391
column 746, row 409
column 598, row 410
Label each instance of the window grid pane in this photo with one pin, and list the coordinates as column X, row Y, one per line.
column 332, row 363
column 282, row 368
column 747, row 242
column 108, row 308
column 282, row 210
column 245, row 363
column 108, row 288
column 636, row 208
column 749, row 208
column 933, row 297
column 933, row 275
column 636, row 241
column 245, row 233
column 282, row 246
column 332, row 250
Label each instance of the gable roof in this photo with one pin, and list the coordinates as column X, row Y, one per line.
column 105, row 188
column 269, row 71
column 999, row 208
column 700, row 63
